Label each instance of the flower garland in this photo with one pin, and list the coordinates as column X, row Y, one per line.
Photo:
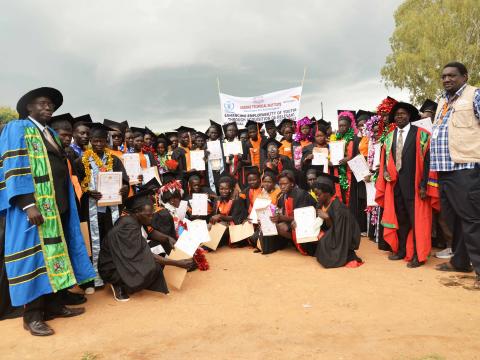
column 386, row 106
column 342, row 169
column 298, row 130
column 108, row 166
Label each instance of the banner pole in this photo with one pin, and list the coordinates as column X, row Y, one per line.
column 218, row 84
column 304, row 73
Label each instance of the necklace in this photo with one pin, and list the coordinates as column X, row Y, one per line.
column 101, row 166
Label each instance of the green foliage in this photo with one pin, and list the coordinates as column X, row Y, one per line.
column 7, row 114
column 429, row 34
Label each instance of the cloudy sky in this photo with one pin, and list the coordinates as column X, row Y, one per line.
column 156, row 62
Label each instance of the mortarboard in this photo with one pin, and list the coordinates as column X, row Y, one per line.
column 137, row 132
column 327, row 179
column 363, row 115
column 122, row 127
column 251, row 170
column 163, row 138
column 63, row 121
column 429, row 105
column 98, row 130
column 272, row 142
column 183, row 129
column 284, row 123
column 270, row 124
column 251, row 123
column 270, row 172
column 168, row 177
column 225, row 126
column 139, row 200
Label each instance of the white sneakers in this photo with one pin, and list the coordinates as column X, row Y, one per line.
column 444, row 254
column 90, row 291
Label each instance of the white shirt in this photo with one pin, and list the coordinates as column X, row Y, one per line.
column 37, row 124
column 405, row 131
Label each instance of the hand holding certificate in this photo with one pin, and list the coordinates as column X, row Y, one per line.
column 232, row 147
column 337, row 151
column 359, row 167
column 320, row 157
column 131, row 162
column 197, row 161
column 305, row 218
column 199, row 204
column 215, row 150
column 109, row 184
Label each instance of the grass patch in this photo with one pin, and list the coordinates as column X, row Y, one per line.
column 89, row 356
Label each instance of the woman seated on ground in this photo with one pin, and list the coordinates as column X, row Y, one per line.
column 227, row 210
column 291, row 198
column 340, row 235
column 125, row 259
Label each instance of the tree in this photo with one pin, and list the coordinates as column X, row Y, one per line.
column 7, row 114
column 429, row 34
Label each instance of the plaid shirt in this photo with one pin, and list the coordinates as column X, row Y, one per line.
column 440, row 159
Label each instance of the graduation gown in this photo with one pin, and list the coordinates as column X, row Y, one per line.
column 338, row 243
column 234, row 208
column 188, row 197
column 126, row 260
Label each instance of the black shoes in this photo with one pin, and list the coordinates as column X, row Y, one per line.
column 395, row 257
column 415, row 263
column 69, row 298
column 38, row 328
column 64, row 312
column 119, row 293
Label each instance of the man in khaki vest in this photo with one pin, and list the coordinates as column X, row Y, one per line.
column 455, row 155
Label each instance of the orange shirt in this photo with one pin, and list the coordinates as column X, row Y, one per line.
column 363, row 146
column 286, row 149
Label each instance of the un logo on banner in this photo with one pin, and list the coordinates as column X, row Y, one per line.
column 228, row 106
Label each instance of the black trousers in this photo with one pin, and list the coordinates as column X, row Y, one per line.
column 50, row 303
column 404, row 208
column 460, row 201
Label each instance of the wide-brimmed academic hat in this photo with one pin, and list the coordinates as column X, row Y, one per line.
column 429, row 105
column 151, row 185
column 183, row 129
column 251, row 123
column 412, row 110
column 270, row 173
column 62, row 121
column 54, row 95
column 251, row 170
column 164, row 139
column 98, row 130
column 122, row 127
column 317, row 169
column 82, row 120
column 363, row 115
column 269, row 142
column 312, row 119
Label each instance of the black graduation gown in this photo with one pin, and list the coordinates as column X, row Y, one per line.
column 126, row 260
column 163, row 222
column 337, row 246
column 239, row 214
column 239, row 174
column 358, row 194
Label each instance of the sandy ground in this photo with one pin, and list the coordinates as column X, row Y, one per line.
column 278, row 306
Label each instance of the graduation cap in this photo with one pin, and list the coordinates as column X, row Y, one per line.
column 429, row 105
column 98, row 130
column 139, row 200
column 148, row 131
column 284, row 123
column 137, row 132
column 82, row 120
column 54, row 95
column 412, row 110
column 224, row 127
column 164, row 139
column 251, row 123
column 242, row 131
column 169, row 134
column 217, row 125
column 312, row 119
column 122, row 127
column 272, row 142
column 125, row 123
column 152, row 185
column 270, row 173
column 63, row 121
column 251, row 170
column 317, row 169
column 327, row 179
column 183, row 129
column 168, row 177
column 363, row 115
column 202, row 135
column 192, row 174
column 270, row 124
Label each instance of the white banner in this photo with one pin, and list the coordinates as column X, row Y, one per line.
column 278, row 105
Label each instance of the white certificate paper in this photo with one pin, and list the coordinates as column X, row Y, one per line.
column 150, row 173
column 186, row 243
column 232, row 147
column 425, row 124
column 359, row 167
column 320, row 157
column 215, row 150
column 371, row 192
column 199, row 204
column 109, row 184
column 196, row 160
column 131, row 162
column 376, row 156
column 305, row 220
column 258, row 204
column 268, row 227
column 198, row 229
column 182, row 209
column 337, row 151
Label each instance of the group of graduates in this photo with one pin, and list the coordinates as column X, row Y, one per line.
column 48, row 187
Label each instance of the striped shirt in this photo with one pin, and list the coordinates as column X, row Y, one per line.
column 440, row 159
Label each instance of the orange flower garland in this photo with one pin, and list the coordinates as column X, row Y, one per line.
column 103, row 167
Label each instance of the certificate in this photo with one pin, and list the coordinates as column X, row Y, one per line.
column 425, row 124
column 131, row 162
column 187, row 243
column 232, row 147
column 174, row 275
column 371, row 192
column 182, row 209
column 305, row 218
column 109, row 184
column 240, row 232
column 199, row 231
column 359, row 167
column 150, row 173
column 267, row 226
column 216, row 233
column 337, row 151
column 196, row 160
column 320, row 157
column 258, row 204
column 199, row 204
column 215, row 150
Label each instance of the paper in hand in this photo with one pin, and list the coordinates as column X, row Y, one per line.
column 359, row 167
column 197, row 161
column 199, row 204
column 337, row 151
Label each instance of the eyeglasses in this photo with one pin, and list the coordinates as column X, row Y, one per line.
column 45, row 104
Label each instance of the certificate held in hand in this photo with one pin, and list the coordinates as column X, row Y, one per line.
column 197, row 161
column 109, row 185
column 131, row 162
column 337, row 151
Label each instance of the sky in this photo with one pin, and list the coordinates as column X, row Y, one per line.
column 156, row 62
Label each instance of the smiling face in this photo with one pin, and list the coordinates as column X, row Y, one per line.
column 402, row 118
column 148, row 139
column 253, row 181
column 184, row 139
column 41, row 109
column 174, row 140
column 161, row 148
column 225, row 190
column 195, row 185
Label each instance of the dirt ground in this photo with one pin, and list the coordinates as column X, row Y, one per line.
column 278, row 306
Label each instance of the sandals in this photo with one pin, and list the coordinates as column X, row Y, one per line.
column 449, row 267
